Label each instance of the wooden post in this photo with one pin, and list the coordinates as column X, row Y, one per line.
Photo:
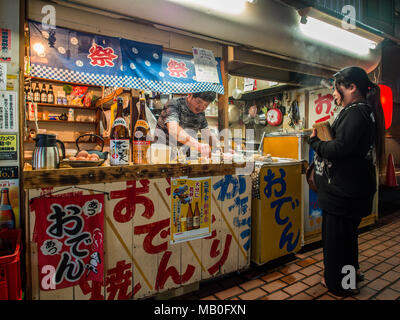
column 306, row 109
column 223, row 100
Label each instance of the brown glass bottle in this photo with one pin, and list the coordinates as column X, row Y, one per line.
column 196, row 217
column 119, row 138
column 36, row 93
column 189, row 218
column 43, row 94
column 7, row 217
column 140, row 134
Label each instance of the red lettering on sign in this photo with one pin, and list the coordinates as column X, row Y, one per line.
column 132, row 196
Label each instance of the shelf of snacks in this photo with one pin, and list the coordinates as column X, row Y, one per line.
column 65, row 121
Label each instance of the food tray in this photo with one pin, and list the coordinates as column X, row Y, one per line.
column 84, row 163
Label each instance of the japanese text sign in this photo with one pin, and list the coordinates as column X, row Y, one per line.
column 8, row 147
column 205, row 65
column 8, row 111
column 281, row 203
column 322, row 106
column 69, row 235
column 190, row 209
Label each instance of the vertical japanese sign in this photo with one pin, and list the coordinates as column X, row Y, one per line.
column 9, row 179
column 190, row 209
column 8, row 111
column 69, row 234
column 281, row 210
column 322, row 106
column 3, row 76
column 8, row 146
column 205, row 65
column 5, row 54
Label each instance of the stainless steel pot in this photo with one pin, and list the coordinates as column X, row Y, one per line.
column 46, row 154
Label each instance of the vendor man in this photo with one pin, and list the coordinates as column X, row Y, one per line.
column 182, row 118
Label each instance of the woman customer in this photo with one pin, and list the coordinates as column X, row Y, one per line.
column 345, row 174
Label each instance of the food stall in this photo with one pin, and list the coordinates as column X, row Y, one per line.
column 127, row 243
column 99, row 231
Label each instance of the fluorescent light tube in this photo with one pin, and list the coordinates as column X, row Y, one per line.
column 337, row 37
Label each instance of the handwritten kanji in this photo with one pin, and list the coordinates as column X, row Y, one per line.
column 118, row 281
column 102, row 57
column 177, row 69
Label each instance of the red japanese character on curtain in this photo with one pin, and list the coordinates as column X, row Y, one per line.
column 102, row 57
column 177, row 69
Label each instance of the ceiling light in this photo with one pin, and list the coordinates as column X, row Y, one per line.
column 336, row 36
column 329, row 29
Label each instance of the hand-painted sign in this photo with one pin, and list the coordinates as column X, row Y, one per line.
column 69, row 234
column 322, row 106
column 280, row 210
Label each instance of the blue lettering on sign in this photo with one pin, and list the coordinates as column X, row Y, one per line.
column 286, row 236
column 241, row 204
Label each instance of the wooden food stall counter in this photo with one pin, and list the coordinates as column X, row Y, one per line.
column 137, row 259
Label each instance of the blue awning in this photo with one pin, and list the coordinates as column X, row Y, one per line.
column 73, row 56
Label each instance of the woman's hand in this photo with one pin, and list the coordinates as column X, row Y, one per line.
column 314, row 133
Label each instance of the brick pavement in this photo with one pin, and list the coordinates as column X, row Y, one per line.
column 298, row 276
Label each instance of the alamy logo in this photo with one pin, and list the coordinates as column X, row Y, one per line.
column 349, row 280
column 349, row 20
column 49, row 20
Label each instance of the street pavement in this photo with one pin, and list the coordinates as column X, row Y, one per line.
column 298, row 276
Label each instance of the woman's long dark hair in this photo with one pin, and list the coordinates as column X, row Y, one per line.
column 372, row 95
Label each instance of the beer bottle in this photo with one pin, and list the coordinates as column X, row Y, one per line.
column 196, row 217
column 36, row 93
column 7, row 217
column 29, row 94
column 50, row 95
column 43, row 94
column 189, row 218
column 140, row 134
column 119, row 138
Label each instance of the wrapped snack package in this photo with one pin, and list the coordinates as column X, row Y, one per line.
column 77, row 95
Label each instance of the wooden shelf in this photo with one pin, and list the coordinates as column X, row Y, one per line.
column 64, row 106
column 33, row 179
column 212, row 117
column 65, row 121
column 65, row 141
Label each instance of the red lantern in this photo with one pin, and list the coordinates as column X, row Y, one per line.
column 387, row 104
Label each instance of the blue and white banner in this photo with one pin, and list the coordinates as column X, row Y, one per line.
column 72, row 56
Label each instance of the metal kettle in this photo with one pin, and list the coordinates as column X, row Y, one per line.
column 46, row 153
